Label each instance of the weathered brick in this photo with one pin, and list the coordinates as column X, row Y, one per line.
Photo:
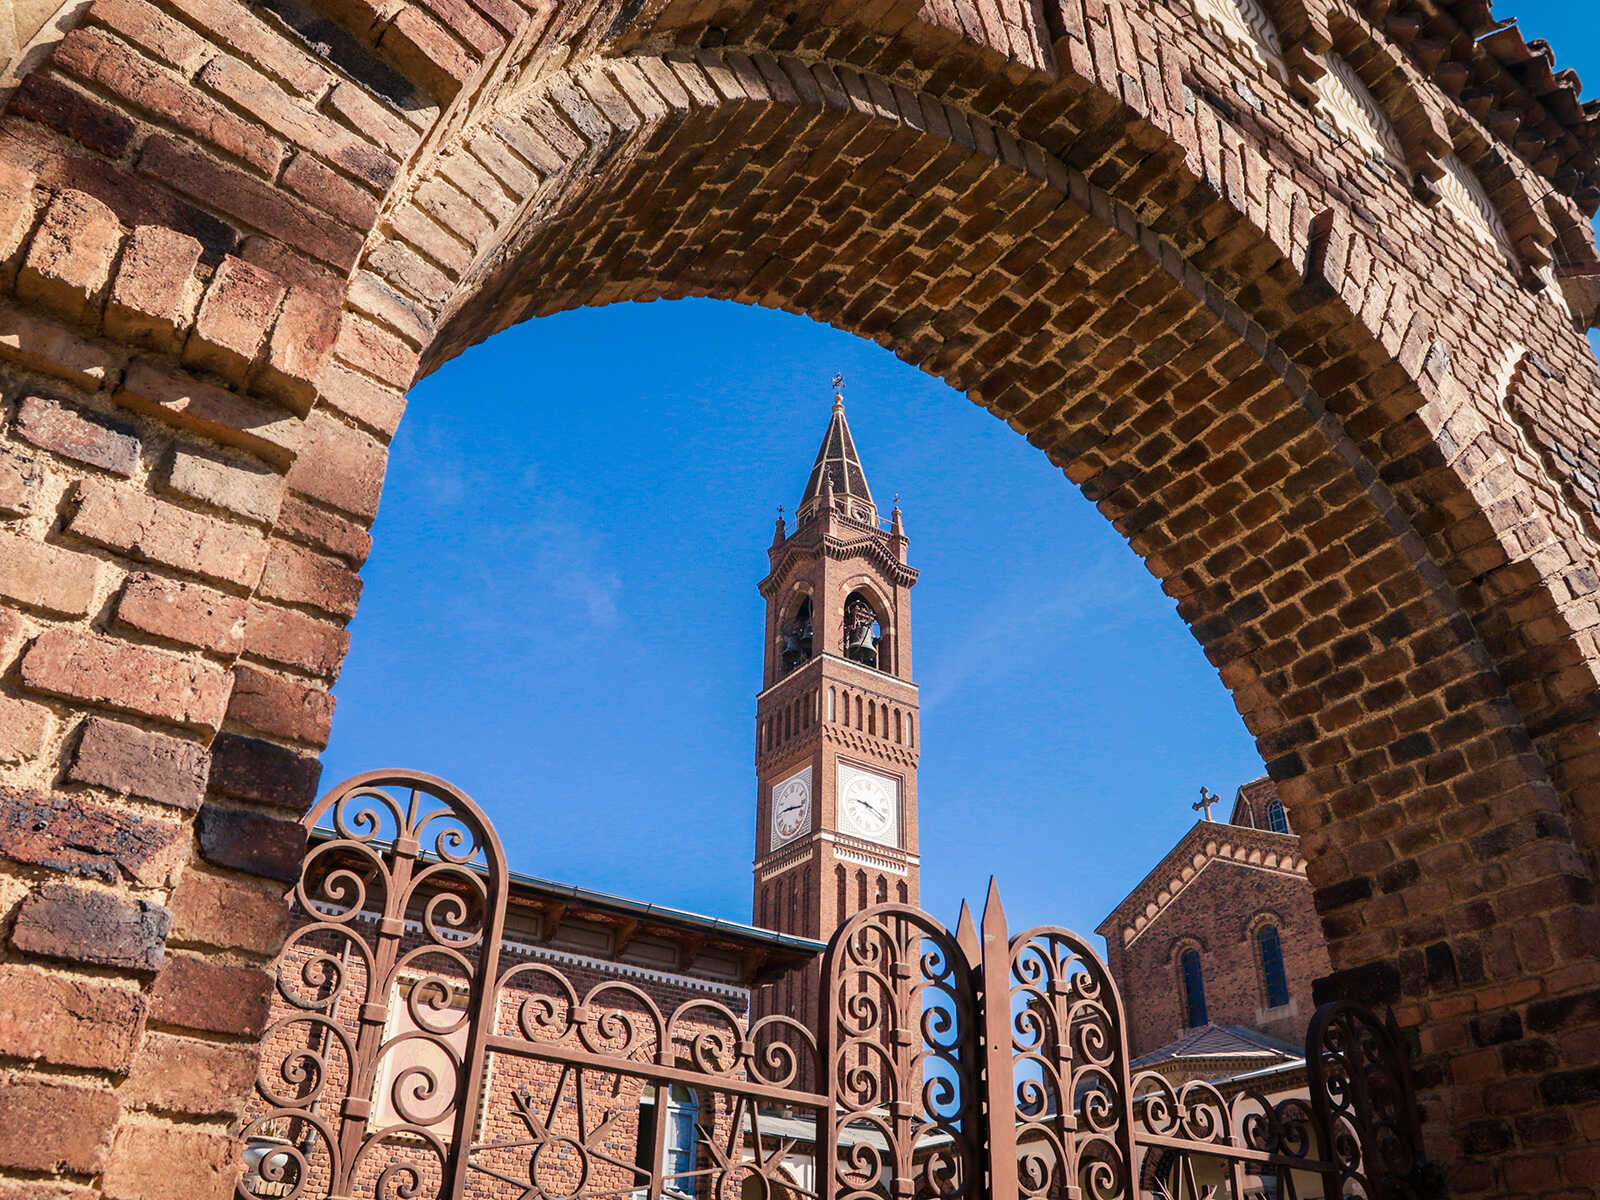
column 250, row 200
column 45, row 576
column 247, row 841
column 213, row 997
column 333, row 194
column 82, row 837
column 69, row 263
column 301, row 342
column 297, row 576
column 295, row 639
column 74, row 433
column 232, row 419
column 20, row 480
column 143, row 527
column 96, row 123
column 230, row 330
column 281, row 707
column 265, row 772
column 426, row 53
column 342, row 467
column 83, row 924
column 361, row 112
column 154, row 294
column 17, row 214
column 304, row 522
column 153, row 32
column 185, row 1075
column 183, row 612
column 144, row 1158
column 257, row 42
column 375, row 405
column 235, row 484
column 102, row 61
column 52, row 1125
column 375, row 350
column 125, row 676
column 86, row 1023
column 139, row 762
column 229, row 913
column 297, row 122
column 25, row 728
column 36, row 342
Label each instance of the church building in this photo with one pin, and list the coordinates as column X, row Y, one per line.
column 1216, row 950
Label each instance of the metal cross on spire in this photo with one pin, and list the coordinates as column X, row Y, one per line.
column 1205, row 802
column 838, row 385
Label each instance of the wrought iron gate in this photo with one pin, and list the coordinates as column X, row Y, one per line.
column 976, row 1064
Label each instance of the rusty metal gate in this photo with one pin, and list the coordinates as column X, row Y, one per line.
column 410, row 1063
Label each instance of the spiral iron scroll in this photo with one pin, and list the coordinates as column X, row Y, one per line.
column 1361, row 1090
column 900, row 1013
column 371, row 998
column 1070, row 1085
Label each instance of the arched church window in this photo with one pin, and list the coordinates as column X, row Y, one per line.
column 1277, row 817
column 1194, row 990
column 861, row 630
column 1346, row 102
column 1272, row 974
column 797, row 637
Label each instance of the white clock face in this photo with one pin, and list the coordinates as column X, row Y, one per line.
column 869, row 804
column 791, row 807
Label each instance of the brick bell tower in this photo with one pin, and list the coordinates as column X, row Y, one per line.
column 836, row 721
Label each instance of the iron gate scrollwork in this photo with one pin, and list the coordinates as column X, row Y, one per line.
column 412, row 1061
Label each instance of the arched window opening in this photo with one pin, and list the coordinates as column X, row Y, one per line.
column 1272, row 974
column 858, row 712
column 900, row 891
column 1194, row 990
column 911, row 730
column 668, row 1138
column 883, row 890
column 898, row 729
column 1277, row 817
column 833, row 705
column 861, row 889
column 862, row 630
column 797, row 637
column 872, row 718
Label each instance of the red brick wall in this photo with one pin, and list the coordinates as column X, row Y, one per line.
column 1347, row 433
column 1218, row 913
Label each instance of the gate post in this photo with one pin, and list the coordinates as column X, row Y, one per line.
column 994, row 1007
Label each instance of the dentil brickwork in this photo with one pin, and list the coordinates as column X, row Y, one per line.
column 1294, row 290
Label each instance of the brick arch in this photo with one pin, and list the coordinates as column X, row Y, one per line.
column 233, row 239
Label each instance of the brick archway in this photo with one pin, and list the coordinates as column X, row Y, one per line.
column 1245, row 343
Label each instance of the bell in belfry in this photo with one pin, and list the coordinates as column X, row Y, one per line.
column 860, row 642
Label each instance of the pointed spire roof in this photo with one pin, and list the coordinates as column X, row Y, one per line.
column 838, row 467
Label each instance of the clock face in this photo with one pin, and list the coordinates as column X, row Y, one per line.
column 791, row 806
column 869, row 804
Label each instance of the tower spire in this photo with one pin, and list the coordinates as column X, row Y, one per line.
column 839, row 466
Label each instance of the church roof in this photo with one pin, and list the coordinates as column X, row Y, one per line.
column 839, row 465
column 1220, row 1041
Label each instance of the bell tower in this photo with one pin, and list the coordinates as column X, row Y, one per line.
column 837, row 733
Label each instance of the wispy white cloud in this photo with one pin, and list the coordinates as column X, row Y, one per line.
column 1093, row 602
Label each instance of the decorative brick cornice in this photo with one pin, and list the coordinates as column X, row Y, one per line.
column 1208, row 842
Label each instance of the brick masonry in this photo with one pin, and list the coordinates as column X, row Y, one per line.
column 1294, row 290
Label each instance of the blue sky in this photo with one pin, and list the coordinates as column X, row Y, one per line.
column 561, row 612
